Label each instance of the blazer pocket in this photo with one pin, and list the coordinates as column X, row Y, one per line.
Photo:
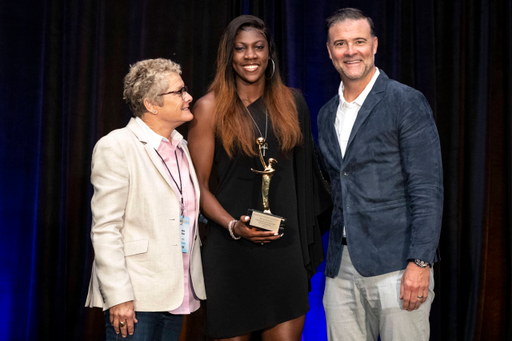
column 135, row 247
column 388, row 204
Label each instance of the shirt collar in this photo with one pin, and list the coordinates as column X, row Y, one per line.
column 154, row 139
column 362, row 96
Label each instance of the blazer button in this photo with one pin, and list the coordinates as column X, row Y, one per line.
column 344, row 174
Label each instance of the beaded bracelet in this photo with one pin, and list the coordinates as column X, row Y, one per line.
column 231, row 224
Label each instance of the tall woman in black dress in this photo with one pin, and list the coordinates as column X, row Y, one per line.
column 256, row 281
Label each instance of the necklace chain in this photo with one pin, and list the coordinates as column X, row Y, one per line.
column 257, row 127
column 265, row 146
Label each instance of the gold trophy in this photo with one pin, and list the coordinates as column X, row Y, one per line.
column 265, row 220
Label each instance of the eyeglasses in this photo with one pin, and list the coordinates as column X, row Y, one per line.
column 181, row 91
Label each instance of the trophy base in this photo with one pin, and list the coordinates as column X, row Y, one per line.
column 266, row 221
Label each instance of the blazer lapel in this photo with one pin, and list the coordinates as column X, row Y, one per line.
column 153, row 156
column 332, row 142
column 158, row 163
column 369, row 104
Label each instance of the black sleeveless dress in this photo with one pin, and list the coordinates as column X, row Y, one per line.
column 252, row 286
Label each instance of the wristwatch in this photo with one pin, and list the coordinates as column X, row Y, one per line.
column 420, row 263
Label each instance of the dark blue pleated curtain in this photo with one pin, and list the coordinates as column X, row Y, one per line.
column 61, row 68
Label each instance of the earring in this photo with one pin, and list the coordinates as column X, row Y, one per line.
column 273, row 68
column 154, row 111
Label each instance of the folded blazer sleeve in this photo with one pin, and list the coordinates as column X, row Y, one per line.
column 420, row 154
column 110, row 179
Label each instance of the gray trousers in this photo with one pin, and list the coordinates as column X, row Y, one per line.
column 361, row 308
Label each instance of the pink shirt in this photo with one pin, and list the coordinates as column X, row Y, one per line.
column 166, row 149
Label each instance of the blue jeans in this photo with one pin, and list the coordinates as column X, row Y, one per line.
column 159, row 326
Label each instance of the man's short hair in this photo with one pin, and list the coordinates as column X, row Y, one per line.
column 348, row 14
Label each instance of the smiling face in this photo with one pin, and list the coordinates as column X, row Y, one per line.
column 175, row 109
column 250, row 56
column 352, row 50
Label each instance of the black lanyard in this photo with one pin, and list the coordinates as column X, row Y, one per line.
column 180, row 187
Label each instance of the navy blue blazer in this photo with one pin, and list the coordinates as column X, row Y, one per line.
column 388, row 189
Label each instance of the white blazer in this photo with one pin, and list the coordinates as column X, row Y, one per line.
column 135, row 227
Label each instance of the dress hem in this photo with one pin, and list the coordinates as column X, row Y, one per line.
column 254, row 329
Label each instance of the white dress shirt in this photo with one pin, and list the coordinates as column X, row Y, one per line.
column 347, row 114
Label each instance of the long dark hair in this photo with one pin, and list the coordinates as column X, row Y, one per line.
column 232, row 124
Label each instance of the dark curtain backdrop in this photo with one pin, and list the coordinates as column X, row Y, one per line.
column 61, row 68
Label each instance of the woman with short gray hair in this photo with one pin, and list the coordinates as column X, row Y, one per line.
column 147, row 271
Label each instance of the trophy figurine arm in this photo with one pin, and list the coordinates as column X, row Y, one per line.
column 263, row 171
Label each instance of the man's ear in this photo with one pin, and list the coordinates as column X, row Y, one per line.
column 328, row 49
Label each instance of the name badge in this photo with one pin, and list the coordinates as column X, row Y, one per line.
column 185, row 233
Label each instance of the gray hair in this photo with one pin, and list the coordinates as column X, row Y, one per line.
column 146, row 80
column 348, row 14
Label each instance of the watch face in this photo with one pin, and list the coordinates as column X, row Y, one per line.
column 420, row 263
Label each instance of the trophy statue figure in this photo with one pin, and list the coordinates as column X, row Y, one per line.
column 265, row 220
column 266, row 173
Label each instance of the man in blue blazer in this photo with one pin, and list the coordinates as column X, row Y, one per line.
column 380, row 147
